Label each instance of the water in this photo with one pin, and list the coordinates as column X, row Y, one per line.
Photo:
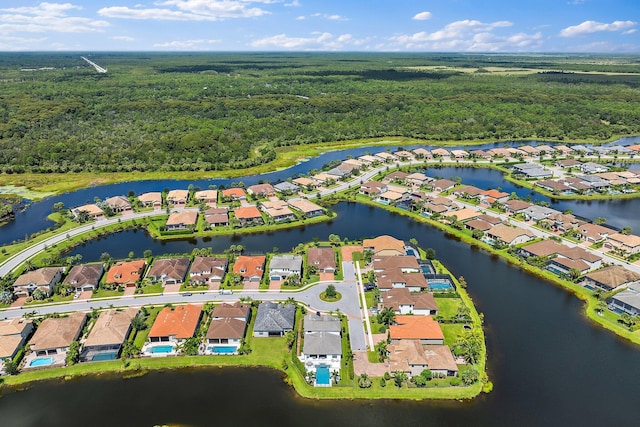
column 546, row 360
column 224, row 349
column 323, row 376
column 161, row 349
column 41, row 361
column 104, row 356
column 34, row 219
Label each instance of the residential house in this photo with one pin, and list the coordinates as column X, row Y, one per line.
column 628, row 244
column 404, row 156
column 568, row 163
column 172, row 327
column 396, row 176
column 405, row 263
column 538, row 213
column 510, row 235
column 323, row 258
column 478, row 224
column 282, row 266
column 516, row 206
column 561, row 265
column 385, row 157
column 564, row 150
column 422, row 328
column 463, row 214
column 322, row 349
column 422, row 153
column 91, row 210
column 55, row 334
column 84, row 277
column 224, row 336
column 250, row 267
column 393, row 278
column 411, row 357
column 286, row 188
column 119, row 204
column 418, row 179
column 373, row 188
column 308, row 209
column 248, row 215
column 459, row 154
column 126, row 273
column 563, row 222
column 440, row 152
column 468, row 192
column 208, row 197
column 403, row 301
column 151, row 200
column 217, row 217
column 274, row 319
column 108, row 334
column 235, row 193
column 442, row 184
column 208, row 269
column 178, row 198
column 593, row 233
column 278, row 210
column 554, row 186
column 13, row 335
column 182, row 220
column 368, row 159
column 169, row 271
column 43, row 279
column 610, row 278
column 591, row 167
column 306, row 182
column 261, row 190
column 390, row 197
column 479, row 154
column 237, row 310
column 384, row 246
column 627, row 301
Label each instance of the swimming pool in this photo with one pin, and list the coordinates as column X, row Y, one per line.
column 104, row 356
column 440, row 286
column 222, row 349
column 41, row 361
column 161, row 349
column 323, row 376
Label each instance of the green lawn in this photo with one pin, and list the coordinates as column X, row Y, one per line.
column 451, row 332
column 448, row 307
column 106, row 293
column 153, row 289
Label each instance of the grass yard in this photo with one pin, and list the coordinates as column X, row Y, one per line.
column 451, row 332
column 448, row 307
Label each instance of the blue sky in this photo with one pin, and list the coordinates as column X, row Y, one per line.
column 325, row 25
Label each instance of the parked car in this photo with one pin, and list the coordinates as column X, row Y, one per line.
column 369, row 286
column 226, row 292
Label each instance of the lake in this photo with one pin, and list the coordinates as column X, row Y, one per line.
column 549, row 364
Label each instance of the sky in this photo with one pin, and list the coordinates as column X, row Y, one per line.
column 603, row 26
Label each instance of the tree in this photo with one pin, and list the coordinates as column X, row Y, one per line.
column 419, row 381
column 430, row 253
column 364, row 381
column 463, row 313
column 330, row 292
column 148, row 253
column 105, row 257
column 139, row 322
column 10, row 368
column 131, row 254
column 130, row 350
column 626, row 230
column 334, row 239
column 6, row 297
column 399, row 378
column 574, row 274
column 601, row 307
column 469, row 346
column 470, row 375
column 190, row 346
column 427, row 374
column 73, row 354
column 386, row 317
column 38, row 295
column 600, row 220
column 381, row 350
column 477, row 234
column 57, row 207
column 290, row 337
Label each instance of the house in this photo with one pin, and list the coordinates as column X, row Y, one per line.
column 368, row 159
column 182, row 220
column 538, row 213
column 323, row 258
column 459, row 154
column 390, row 197
column 13, row 335
column 237, row 310
column 217, row 217
column 373, row 188
column 405, row 263
column 261, row 190
column 178, row 198
column 403, row 301
column 467, row 192
column 543, row 248
column 627, row 301
column 412, row 357
column 91, row 210
column 308, row 209
column 568, row 163
column 250, row 267
column 357, row 163
column 169, row 271
column 554, row 186
column 531, row 151
column 171, row 328
column 593, row 233
column 440, row 152
column 510, row 235
column 286, row 188
column 563, row 222
column 325, row 178
column 384, row 246
column 393, row 278
column 404, row 155
column 151, row 200
column 306, row 182
column 55, row 334
column 591, row 167
column 209, row 197
column 628, row 244
column 119, row 204
column 231, row 194
column 84, row 277
column 322, row 349
column 385, row 157
column 282, row 266
column 422, row 153
column 442, row 184
column 248, row 215
column 610, row 278
column 418, row 179
column 208, row 269
column 479, row 154
column 516, row 206
column 396, row 176
column 422, row 328
column 108, row 334
column 464, row 214
column 561, row 265
column 564, row 150
column 278, row 210
column 274, row 319
column 126, row 273
column 43, row 279
column 478, row 224
column 224, row 336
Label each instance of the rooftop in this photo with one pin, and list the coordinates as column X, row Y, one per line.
column 181, row 321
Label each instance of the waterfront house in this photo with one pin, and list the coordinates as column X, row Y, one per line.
column 232, row 194
column 478, row 224
column 538, row 213
column 126, row 273
column 13, row 335
column 373, row 188
column 396, row 176
column 322, row 349
column 516, row 206
column 91, row 210
column 224, row 336
column 418, row 179
column 568, row 163
column 627, row 244
column 468, row 192
column 169, row 271
column 392, row 278
column 591, row 167
column 411, row 357
column 510, row 235
column 390, row 197
column 261, row 190
column 422, row 328
column 151, row 200
column 403, row 301
column 182, row 220
column 627, row 301
column 282, row 266
column 208, row 269
column 84, row 277
column 442, row 185
column 119, row 204
column 593, row 233
column 237, row 310
column 171, row 328
column 422, row 153
column 217, row 217
column 494, row 195
column 278, row 210
column 308, row 209
column 385, row 157
column 384, row 246
column 43, row 279
column 368, row 159
column 405, row 263
column 274, row 319
column 323, row 258
column 286, row 188
column 404, row 156
column 55, row 335
column 108, row 334
column 440, row 152
column 178, row 198
column 307, row 183
column 610, row 278
column 208, row 197
column 250, row 267
column 248, row 215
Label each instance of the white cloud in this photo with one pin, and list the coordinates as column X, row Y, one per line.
column 589, row 27
column 330, row 17
column 422, row 16
column 47, row 17
column 294, row 3
column 187, row 44
column 12, row 43
column 122, row 38
column 318, row 41
column 189, row 10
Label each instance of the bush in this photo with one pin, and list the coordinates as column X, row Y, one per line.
column 455, row 381
column 387, row 376
column 383, row 382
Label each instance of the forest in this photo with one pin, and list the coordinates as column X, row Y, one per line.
column 218, row 111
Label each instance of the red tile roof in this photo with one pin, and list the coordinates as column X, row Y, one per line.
column 248, row 266
column 415, row 328
column 181, row 322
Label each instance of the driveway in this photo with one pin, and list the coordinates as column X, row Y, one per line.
column 348, row 271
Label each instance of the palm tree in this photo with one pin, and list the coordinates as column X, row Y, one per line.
column 386, row 316
column 600, row 307
column 381, row 350
column 399, row 378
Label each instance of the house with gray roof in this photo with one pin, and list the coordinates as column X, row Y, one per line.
column 274, row 319
column 322, row 348
column 169, row 271
column 537, row 213
column 282, row 266
column 286, row 187
column 591, row 167
column 627, row 301
column 84, row 277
